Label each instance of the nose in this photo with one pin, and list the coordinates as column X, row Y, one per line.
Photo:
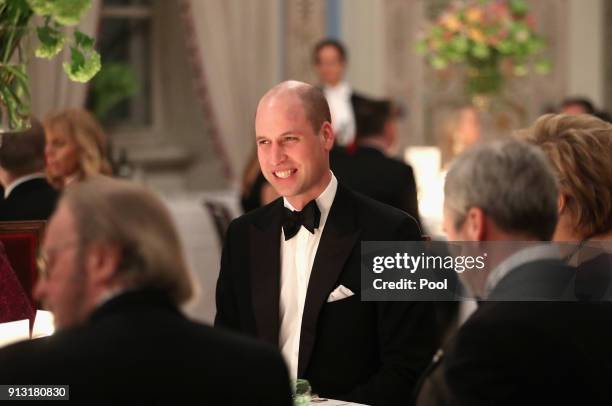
column 277, row 154
column 48, row 151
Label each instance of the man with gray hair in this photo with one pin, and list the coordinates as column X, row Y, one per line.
column 27, row 194
column 114, row 279
column 514, row 350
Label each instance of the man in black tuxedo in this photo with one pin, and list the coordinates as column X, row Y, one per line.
column 330, row 61
column 528, row 342
column 367, row 169
column 114, row 279
column 290, row 271
column 27, row 194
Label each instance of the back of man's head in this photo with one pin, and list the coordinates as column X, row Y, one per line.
column 511, row 182
column 371, row 117
column 23, row 153
column 134, row 220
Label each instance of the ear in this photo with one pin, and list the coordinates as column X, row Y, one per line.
column 102, row 262
column 390, row 134
column 561, row 203
column 4, row 178
column 475, row 224
column 327, row 132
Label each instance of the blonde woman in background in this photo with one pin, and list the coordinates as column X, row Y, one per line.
column 579, row 147
column 76, row 147
column 456, row 128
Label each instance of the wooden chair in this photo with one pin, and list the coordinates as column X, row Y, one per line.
column 21, row 241
column 221, row 217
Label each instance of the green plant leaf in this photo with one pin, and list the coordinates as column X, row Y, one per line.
column 439, row 63
column 520, row 70
column 115, row 82
column 519, row 7
column 421, row 47
column 42, row 7
column 69, row 12
column 83, row 41
column 51, row 42
column 80, row 68
column 543, row 67
column 460, row 44
column 480, row 51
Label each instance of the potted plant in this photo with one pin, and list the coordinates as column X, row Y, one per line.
column 17, row 29
column 490, row 39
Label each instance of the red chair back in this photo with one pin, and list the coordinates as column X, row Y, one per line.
column 21, row 241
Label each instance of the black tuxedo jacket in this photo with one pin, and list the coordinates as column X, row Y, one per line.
column 138, row 346
column 368, row 171
column 34, row 199
column 368, row 352
column 511, row 353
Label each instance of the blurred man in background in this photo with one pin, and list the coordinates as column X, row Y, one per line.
column 27, row 194
column 330, row 61
column 368, row 168
column 115, row 277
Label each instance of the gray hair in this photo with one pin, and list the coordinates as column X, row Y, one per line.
column 123, row 213
column 511, row 181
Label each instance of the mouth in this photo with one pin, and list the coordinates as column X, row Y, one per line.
column 284, row 174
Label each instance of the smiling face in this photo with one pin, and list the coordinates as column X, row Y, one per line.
column 293, row 157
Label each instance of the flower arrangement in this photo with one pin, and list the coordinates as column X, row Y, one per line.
column 492, row 38
column 16, row 25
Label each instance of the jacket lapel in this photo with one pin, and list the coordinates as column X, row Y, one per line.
column 337, row 242
column 265, row 234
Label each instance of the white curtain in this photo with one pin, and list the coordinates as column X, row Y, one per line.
column 236, row 58
column 50, row 88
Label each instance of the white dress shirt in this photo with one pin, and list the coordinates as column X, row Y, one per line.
column 297, row 256
column 343, row 117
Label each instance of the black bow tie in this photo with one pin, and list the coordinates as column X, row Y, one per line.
column 309, row 217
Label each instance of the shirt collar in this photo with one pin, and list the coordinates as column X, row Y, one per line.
column 519, row 258
column 342, row 88
column 324, row 201
column 20, row 180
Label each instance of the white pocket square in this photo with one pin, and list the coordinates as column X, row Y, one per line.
column 339, row 293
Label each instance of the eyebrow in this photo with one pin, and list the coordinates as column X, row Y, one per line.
column 291, row 132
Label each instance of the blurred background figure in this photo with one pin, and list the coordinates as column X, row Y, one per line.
column 114, row 278
column 76, row 147
column 580, row 150
column 579, row 147
column 368, row 168
column 27, row 194
column 582, row 105
column 577, row 105
column 255, row 191
column 456, row 129
column 330, row 61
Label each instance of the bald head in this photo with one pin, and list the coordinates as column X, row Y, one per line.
column 311, row 98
